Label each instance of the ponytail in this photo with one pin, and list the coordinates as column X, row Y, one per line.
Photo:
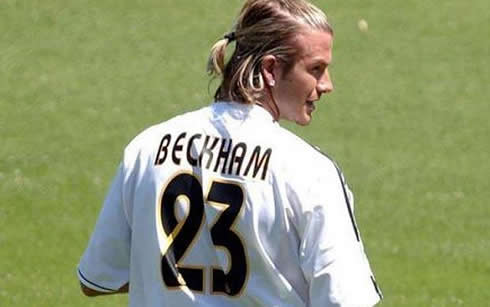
column 216, row 61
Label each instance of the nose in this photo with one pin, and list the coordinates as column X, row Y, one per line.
column 325, row 84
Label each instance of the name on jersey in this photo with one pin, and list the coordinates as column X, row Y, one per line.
column 218, row 154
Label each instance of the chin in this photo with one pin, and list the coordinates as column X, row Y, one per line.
column 304, row 121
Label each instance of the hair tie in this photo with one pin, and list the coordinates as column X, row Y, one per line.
column 230, row 36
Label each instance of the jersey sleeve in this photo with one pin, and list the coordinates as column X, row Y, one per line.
column 104, row 265
column 331, row 251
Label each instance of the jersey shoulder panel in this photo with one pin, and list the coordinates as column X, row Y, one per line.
column 309, row 178
column 143, row 142
column 301, row 156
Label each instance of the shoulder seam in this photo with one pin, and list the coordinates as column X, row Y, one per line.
column 343, row 184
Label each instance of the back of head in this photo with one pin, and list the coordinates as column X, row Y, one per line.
column 263, row 27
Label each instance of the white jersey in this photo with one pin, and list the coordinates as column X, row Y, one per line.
column 223, row 207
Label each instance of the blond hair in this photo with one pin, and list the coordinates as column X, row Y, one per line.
column 263, row 27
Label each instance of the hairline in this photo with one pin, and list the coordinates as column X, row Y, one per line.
column 294, row 42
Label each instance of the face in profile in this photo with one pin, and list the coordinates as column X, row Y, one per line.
column 298, row 88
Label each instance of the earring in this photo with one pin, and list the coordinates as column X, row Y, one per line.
column 272, row 83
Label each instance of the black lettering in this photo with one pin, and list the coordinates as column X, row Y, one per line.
column 259, row 163
column 177, row 148
column 163, row 149
column 207, row 150
column 223, row 154
column 192, row 161
column 237, row 158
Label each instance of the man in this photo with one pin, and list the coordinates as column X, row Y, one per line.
column 222, row 206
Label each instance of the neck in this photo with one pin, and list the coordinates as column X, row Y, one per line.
column 269, row 104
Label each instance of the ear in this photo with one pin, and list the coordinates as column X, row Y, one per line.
column 269, row 69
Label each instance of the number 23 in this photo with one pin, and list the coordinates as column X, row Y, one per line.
column 180, row 235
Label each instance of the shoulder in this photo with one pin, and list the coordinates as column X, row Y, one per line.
column 306, row 170
column 301, row 156
column 144, row 142
column 311, row 180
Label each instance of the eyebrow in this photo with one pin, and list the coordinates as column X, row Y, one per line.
column 320, row 61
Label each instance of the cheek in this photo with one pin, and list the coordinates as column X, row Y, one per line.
column 303, row 89
column 303, row 82
column 294, row 89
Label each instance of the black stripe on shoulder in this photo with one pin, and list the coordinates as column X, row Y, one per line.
column 343, row 184
column 349, row 207
column 376, row 287
column 94, row 284
column 324, row 154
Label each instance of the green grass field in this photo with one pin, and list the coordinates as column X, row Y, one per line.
column 407, row 122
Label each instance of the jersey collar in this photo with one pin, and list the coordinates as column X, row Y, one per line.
column 241, row 111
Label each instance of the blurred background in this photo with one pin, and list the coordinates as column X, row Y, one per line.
column 408, row 123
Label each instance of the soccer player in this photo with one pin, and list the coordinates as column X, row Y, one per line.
column 224, row 207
